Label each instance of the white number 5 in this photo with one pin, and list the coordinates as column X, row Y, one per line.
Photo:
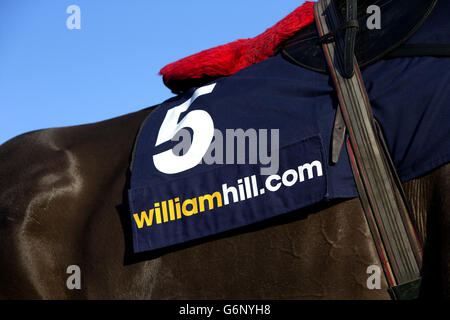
column 199, row 121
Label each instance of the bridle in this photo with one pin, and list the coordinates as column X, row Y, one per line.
column 380, row 190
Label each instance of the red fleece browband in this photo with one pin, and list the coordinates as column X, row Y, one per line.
column 227, row 59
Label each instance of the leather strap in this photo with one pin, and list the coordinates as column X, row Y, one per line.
column 380, row 191
column 338, row 138
column 351, row 28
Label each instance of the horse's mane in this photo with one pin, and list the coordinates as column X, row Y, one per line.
column 227, row 59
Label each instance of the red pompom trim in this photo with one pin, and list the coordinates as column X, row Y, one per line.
column 227, row 59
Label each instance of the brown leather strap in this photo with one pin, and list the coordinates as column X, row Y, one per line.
column 380, row 193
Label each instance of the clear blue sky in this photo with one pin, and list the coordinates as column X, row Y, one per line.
column 51, row 76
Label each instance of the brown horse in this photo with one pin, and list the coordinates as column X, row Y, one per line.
column 63, row 202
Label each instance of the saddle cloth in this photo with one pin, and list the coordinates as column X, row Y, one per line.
column 173, row 202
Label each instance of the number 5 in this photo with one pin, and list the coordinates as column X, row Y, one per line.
column 199, row 121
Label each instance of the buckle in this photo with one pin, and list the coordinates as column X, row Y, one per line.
column 331, row 37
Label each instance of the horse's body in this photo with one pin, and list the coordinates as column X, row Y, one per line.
column 62, row 203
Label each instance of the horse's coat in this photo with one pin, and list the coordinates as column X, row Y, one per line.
column 276, row 94
column 63, row 202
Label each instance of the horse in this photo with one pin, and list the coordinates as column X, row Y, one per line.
column 63, row 202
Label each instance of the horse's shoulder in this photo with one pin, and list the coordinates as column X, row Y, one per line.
column 29, row 164
column 37, row 166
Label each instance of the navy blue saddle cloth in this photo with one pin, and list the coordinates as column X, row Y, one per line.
column 178, row 198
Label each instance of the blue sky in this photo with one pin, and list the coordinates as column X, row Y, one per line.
column 51, row 76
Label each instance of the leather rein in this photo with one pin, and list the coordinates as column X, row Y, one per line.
column 380, row 190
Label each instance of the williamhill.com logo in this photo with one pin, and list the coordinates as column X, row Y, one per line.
column 247, row 188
